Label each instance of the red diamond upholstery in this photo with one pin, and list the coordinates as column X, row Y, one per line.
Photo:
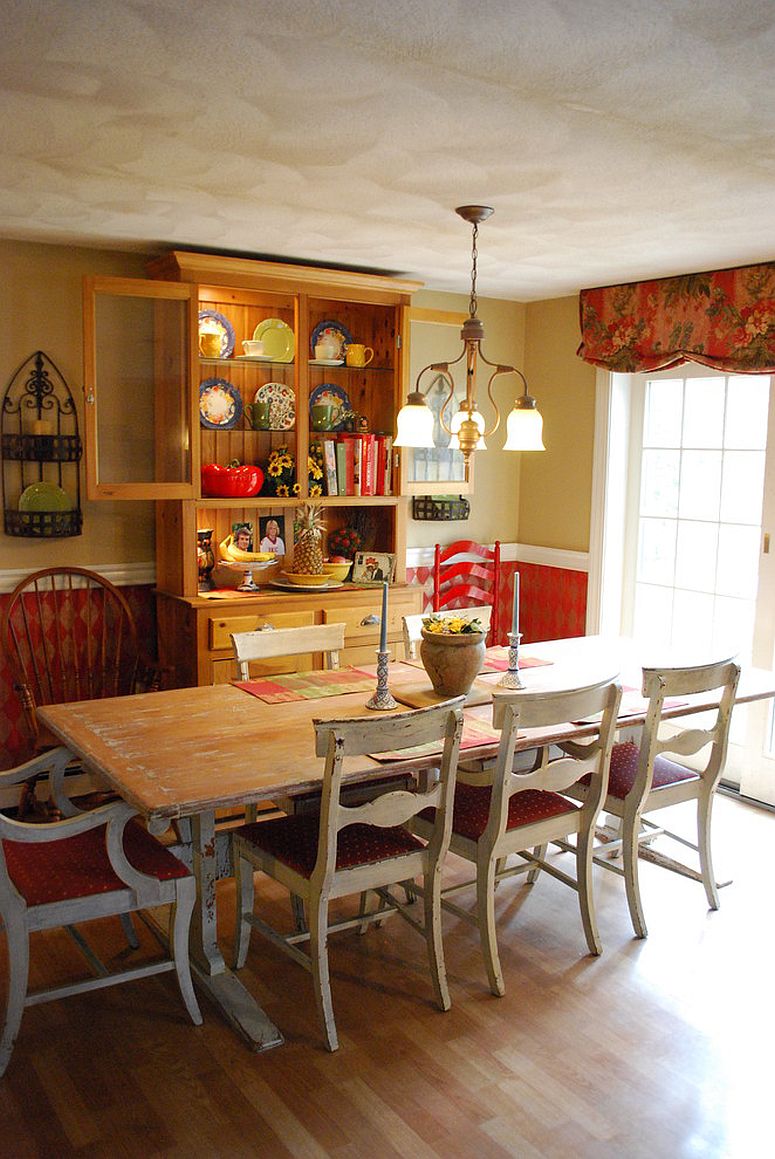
column 294, row 841
column 472, row 808
column 624, row 769
column 79, row 867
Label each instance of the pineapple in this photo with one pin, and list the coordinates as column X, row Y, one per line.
column 308, row 549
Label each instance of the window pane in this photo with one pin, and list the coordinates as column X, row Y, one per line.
column 695, row 557
column 700, row 485
column 659, row 483
column 656, row 551
column 738, row 561
column 748, row 397
column 704, row 412
column 742, row 487
column 652, row 615
column 663, row 416
column 692, row 620
column 733, row 627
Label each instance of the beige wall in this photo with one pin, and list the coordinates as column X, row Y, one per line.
column 556, row 486
column 40, row 299
column 495, row 501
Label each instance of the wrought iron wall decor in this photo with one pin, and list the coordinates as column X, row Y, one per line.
column 440, row 507
column 41, row 449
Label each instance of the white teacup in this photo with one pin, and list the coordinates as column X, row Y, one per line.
column 326, row 351
column 252, row 347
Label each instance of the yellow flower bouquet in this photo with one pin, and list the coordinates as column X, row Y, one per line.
column 451, row 625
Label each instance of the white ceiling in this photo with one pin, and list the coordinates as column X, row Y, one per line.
column 617, row 139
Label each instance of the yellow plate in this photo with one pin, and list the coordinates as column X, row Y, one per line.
column 277, row 338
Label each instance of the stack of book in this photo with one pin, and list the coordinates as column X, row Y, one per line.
column 358, row 464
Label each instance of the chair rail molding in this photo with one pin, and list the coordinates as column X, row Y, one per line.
column 119, row 574
column 514, row 553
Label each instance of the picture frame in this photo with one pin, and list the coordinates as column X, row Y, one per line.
column 374, row 567
column 238, row 533
column 271, row 534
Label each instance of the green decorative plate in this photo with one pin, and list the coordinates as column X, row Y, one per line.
column 44, row 497
column 277, row 338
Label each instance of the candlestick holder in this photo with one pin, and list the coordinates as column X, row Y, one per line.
column 512, row 678
column 383, row 698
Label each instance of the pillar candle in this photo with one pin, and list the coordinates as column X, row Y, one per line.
column 515, row 612
column 383, row 622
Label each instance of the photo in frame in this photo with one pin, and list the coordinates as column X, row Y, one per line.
column 271, row 534
column 373, row 567
column 242, row 536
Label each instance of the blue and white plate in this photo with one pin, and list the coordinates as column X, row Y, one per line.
column 330, row 393
column 220, row 404
column 226, row 328
column 333, row 332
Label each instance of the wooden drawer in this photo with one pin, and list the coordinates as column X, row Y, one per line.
column 353, row 616
column 221, row 627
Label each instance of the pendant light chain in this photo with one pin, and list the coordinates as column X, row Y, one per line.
column 473, row 301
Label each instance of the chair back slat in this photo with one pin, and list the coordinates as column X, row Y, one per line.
column 458, row 581
column 272, row 642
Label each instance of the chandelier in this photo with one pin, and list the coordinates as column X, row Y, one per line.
column 467, row 426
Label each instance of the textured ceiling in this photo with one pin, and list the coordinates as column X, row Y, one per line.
column 616, row 139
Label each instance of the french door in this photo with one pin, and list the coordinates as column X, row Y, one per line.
column 697, row 571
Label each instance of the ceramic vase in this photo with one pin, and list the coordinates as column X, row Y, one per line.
column 452, row 661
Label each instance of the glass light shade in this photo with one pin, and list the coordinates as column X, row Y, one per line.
column 455, row 424
column 524, row 428
column 414, row 426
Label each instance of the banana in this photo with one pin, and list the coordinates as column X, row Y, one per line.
column 233, row 554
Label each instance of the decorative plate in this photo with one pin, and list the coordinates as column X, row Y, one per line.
column 282, row 405
column 220, row 404
column 277, row 338
column 333, row 332
column 226, row 328
column 44, row 496
column 329, row 392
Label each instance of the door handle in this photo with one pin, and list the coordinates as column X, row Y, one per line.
column 368, row 620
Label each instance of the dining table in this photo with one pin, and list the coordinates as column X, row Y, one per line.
column 184, row 755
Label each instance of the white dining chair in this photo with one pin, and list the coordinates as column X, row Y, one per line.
column 509, row 812
column 88, row 865
column 644, row 780
column 354, row 849
column 268, row 643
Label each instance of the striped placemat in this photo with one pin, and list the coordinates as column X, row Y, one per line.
column 307, row 685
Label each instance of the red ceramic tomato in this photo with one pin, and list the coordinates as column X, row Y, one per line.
column 235, row 481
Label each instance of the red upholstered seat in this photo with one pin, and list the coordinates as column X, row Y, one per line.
column 624, row 769
column 294, row 841
column 472, row 808
column 79, row 866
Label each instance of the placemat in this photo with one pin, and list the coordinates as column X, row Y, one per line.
column 475, row 734
column 307, row 685
column 496, row 660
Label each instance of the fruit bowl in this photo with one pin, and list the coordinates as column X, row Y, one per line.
column 338, row 571
column 294, row 577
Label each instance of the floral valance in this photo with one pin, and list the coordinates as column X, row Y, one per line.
column 724, row 319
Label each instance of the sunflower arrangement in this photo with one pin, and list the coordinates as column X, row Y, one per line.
column 281, row 472
column 451, row 625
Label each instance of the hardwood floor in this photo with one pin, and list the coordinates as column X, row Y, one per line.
column 659, row 1048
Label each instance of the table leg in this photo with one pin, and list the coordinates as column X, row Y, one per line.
column 221, row 984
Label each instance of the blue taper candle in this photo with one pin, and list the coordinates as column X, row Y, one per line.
column 515, row 613
column 383, row 622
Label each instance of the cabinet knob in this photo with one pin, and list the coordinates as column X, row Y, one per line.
column 367, row 620
column 266, row 627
